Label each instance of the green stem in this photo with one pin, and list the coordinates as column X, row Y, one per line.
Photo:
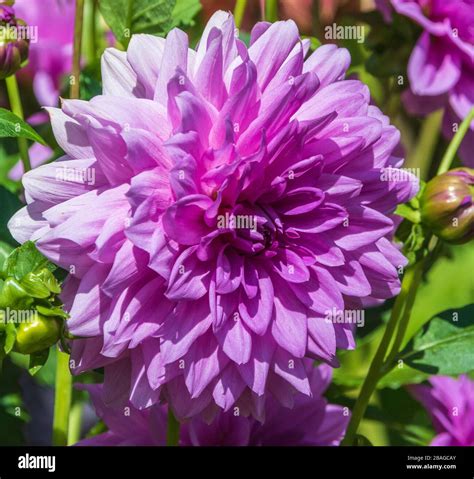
column 90, row 31
column 76, row 57
column 428, row 137
column 75, row 423
column 17, row 109
column 172, row 435
column 416, row 271
column 271, row 11
column 62, row 400
column 455, row 143
column 375, row 368
column 239, row 11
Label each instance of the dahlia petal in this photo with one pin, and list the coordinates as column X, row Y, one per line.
column 271, row 48
column 175, row 56
column 357, row 234
column 292, row 370
column 202, row 364
column 209, row 76
column 255, row 371
column 118, row 77
column 228, row 388
column 70, row 135
column 124, row 268
column 236, row 341
column 351, row 279
column 322, row 339
column 228, row 271
column 110, row 150
column 257, row 309
column 144, row 54
column 329, row 62
column 184, row 221
column 291, row 267
column 190, row 321
column 183, row 406
column 219, row 21
column 347, row 98
column 62, row 180
column 188, row 278
column 432, row 68
column 289, row 324
column 89, row 303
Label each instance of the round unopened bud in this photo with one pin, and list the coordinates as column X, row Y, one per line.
column 37, row 334
column 447, row 205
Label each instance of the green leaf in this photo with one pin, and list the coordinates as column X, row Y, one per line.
column 446, row 344
column 33, row 285
column 10, row 337
column 184, row 12
column 400, row 375
column 10, row 204
column 12, row 126
column 37, row 361
column 26, row 259
column 408, row 212
column 126, row 17
column 443, row 289
column 5, row 250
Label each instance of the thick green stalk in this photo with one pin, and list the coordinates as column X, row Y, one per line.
column 421, row 155
column 271, row 11
column 416, row 270
column 62, row 400
column 374, row 373
column 172, row 435
column 17, row 108
column 239, row 11
column 75, row 422
column 89, row 40
column 76, row 57
column 455, row 143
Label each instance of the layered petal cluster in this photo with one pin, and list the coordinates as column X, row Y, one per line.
column 312, row 422
column 441, row 66
column 450, row 403
column 214, row 208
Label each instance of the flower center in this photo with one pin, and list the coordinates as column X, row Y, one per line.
column 250, row 229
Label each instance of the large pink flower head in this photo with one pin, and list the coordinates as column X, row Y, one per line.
column 215, row 208
column 450, row 403
column 441, row 66
column 311, row 422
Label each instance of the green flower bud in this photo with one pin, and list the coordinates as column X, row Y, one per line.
column 37, row 334
column 447, row 205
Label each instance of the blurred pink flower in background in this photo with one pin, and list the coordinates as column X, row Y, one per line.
column 50, row 58
column 441, row 66
column 450, row 403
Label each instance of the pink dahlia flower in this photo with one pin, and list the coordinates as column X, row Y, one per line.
column 213, row 208
column 450, row 403
column 312, row 422
column 441, row 66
